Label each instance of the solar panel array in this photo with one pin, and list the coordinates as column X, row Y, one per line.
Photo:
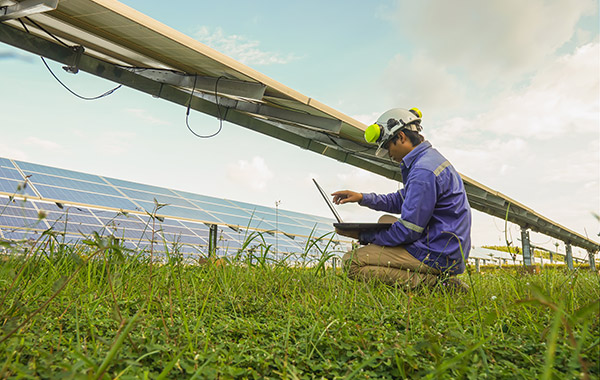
column 76, row 204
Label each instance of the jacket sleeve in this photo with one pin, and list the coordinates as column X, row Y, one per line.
column 417, row 209
column 391, row 202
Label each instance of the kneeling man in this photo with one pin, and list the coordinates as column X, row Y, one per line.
column 432, row 238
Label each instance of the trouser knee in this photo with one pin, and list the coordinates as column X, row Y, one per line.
column 350, row 264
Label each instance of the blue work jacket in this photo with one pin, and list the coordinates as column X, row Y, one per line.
column 435, row 222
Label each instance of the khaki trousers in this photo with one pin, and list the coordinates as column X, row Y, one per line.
column 390, row 265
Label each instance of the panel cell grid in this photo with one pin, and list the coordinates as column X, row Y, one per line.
column 52, row 206
column 122, row 185
column 6, row 163
column 68, row 183
column 204, row 198
column 223, row 208
column 72, row 219
column 19, row 211
column 7, row 173
column 81, row 229
column 185, row 239
column 30, row 168
column 124, row 223
column 19, row 234
column 160, row 198
column 176, row 230
column 17, row 221
column 11, row 186
column 128, row 234
column 84, row 197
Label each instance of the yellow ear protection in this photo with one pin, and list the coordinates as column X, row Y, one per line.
column 377, row 133
column 417, row 112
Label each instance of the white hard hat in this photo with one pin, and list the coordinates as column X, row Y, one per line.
column 389, row 123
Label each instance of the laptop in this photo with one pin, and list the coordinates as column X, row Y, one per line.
column 341, row 225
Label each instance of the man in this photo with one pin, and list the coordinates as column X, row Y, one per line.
column 432, row 238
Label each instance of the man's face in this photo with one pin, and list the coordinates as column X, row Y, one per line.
column 400, row 148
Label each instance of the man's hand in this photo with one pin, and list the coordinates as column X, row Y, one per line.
column 346, row 196
column 349, row 233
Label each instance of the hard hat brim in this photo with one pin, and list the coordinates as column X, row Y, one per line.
column 381, row 152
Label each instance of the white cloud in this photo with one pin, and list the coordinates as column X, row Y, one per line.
column 254, row 173
column 9, row 151
column 562, row 99
column 113, row 142
column 37, row 142
column 368, row 119
column 491, row 39
column 538, row 144
column 420, row 81
column 240, row 48
column 7, row 55
column 583, row 167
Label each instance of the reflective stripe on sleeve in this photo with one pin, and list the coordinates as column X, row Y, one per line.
column 439, row 169
column 411, row 226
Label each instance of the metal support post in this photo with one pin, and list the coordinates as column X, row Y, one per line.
column 212, row 240
column 526, row 247
column 569, row 256
column 592, row 261
column 477, row 266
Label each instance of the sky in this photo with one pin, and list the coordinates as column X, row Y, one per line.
column 509, row 90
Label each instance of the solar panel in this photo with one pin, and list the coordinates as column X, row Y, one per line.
column 77, row 205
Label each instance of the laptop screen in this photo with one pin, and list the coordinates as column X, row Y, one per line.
column 329, row 202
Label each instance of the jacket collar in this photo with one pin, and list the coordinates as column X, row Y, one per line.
column 415, row 153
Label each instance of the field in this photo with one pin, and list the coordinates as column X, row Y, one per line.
column 95, row 311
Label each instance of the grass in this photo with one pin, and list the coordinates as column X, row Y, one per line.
column 91, row 311
column 97, row 311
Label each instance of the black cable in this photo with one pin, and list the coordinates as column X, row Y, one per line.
column 54, row 75
column 24, row 26
column 347, row 149
column 73, row 92
column 47, row 32
column 140, row 68
column 187, row 113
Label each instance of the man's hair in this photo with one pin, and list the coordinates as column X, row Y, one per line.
column 415, row 137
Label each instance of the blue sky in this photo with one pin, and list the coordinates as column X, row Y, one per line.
column 509, row 91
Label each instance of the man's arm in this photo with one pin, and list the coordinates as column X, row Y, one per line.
column 391, row 202
column 417, row 209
